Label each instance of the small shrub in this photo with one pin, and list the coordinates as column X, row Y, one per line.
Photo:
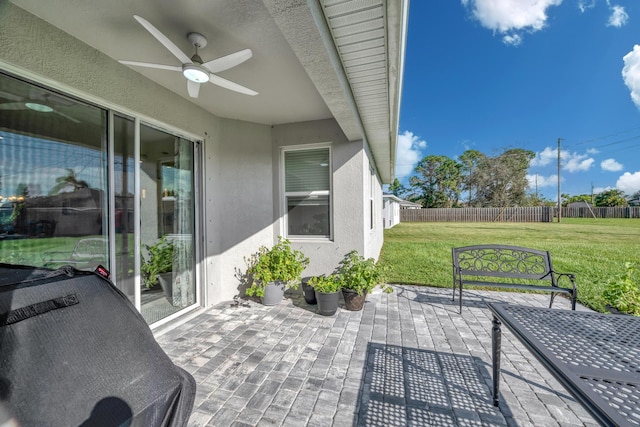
column 326, row 283
column 622, row 291
column 361, row 275
column 281, row 263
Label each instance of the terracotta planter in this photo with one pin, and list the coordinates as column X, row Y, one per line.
column 353, row 301
column 327, row 302
column 273, row 293
column 308, row 292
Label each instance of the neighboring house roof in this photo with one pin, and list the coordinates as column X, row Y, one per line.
column 408, row 204
column 580, row 204
column 392, row 197
column 403, row 203
column 312, row 60
column 634, row 202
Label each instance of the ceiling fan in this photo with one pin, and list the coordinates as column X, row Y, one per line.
column 194, row 69
column 41, row 103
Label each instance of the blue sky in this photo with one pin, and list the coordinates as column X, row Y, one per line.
column 496, row 74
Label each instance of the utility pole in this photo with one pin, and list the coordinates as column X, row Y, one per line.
column 559, row 198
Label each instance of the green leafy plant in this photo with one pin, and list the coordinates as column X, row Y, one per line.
column 326, row 283
column 281, row 263
column 160, row 260
column 622, row 291
column 361, row 275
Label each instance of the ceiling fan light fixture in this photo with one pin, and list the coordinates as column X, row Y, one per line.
column 195, row 73
column 41, row 108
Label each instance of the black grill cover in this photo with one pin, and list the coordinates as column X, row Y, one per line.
column 75, row 352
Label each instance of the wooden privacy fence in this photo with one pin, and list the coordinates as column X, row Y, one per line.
column 517, row 214
column 619, row 212
column 529, row 214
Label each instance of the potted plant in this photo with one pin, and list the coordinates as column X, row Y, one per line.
column 359, row 276
column 274, row 270
column 159, row 266
column 327, row 289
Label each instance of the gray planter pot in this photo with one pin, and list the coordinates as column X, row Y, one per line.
column 166, row 283
column 308, row 292
column 327, row 303
column 273, row 293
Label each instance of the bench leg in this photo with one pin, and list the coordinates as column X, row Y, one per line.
column 553, row 295
column 496, row 341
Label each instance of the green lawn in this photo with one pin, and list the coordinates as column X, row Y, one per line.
column 420, row 253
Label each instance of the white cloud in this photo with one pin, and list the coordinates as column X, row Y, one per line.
column 511, row 18
column 583, row 5
column 572, row 162
column 512, row 39
column 631, row 73
column 545, row 157
column 598, row 190
column 618, row 17
column 629, row 182
column 610, row 165
column 543, row 181
column 408, row 153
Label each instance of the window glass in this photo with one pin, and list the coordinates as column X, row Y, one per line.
column 53, row 187
column 307, row 170
column 307, row 192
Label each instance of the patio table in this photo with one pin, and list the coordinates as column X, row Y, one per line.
column 595, row 356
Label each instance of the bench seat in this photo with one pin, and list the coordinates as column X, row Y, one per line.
column 477, row 265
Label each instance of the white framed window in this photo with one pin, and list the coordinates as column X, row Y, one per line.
column 307, row 192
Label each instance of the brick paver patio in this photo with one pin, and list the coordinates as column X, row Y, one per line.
column 409, row 358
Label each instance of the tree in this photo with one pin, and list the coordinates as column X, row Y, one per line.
column 397, row 189
column 70, row 180
column 469, row 161
column 611, row 198
column 437, row 183
column 501, row 180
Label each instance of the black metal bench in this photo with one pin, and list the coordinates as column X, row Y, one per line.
column 480, row 265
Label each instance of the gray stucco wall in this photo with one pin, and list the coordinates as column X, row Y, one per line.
column 241, row 194
column 347, row 198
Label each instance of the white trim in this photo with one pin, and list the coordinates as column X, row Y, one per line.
column 284, row 225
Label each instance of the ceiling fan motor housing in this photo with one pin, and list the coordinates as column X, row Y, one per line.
column 197, row 39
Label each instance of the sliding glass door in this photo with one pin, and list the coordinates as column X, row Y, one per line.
column 167, row 223
column 83, row 186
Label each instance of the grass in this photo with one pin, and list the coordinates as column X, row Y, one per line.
column 420, row 253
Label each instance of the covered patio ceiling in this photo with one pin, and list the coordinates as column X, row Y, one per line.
column 311, row 59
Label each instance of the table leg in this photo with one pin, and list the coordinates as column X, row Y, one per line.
column 496, row 341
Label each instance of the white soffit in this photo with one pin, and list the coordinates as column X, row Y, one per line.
column 369, row 39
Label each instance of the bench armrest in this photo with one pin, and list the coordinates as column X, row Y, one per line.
column 571, row 276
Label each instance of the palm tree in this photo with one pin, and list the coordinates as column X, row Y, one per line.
column 68, row 180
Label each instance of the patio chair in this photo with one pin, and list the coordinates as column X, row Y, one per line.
column 88, row 253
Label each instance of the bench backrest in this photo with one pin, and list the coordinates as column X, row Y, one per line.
column 502, row 261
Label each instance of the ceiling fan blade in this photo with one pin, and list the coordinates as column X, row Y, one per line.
column 217, row 80
column 149, row 65
column 193, row 88
column 12, row 106
column 229, row 61
column 164, row 40
column 10, row 96
column 66, row 116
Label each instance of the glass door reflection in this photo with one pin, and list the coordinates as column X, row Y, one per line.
column 167, row 225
